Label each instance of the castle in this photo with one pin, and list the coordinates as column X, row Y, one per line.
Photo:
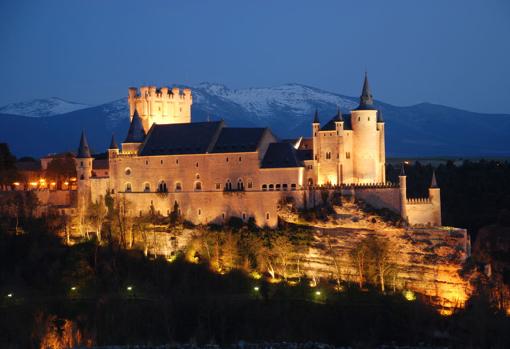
column 214, row 172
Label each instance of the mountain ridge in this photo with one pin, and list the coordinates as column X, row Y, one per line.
column 423, row 129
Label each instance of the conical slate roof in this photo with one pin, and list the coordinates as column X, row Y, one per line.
column 402, row 170
column 433, row 183
column 316, row 117
column 136, row 133
column 83, row 149
column 366, row 100
column 113, row 143
column 338, row 116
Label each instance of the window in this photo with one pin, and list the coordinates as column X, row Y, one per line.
column 162, row 187
column 348, row 155
column 244, row 216
column 146, row 162
column 293, row 186
column 264, row 187
column 197, row 176
column 316, row 157
column 196, row 164
column 359, row 119
column 267, row 215
column 310, row 181
column 278, row 187
column 310, row 167
column 128, row 187
column 199, row 212
column 198, row 186
column 226, row 159
column 127, row 171
column 218, row 186
column 240, row 184
column 178, row 186
column 146, row 187
column 82, row 177
column 250, row 184
column 177, row 161
column 161, row 162
column 228, row 185
column 271, row 187
column 284, row 187
column 328, row 155
column 240, row 159
column 81, row 163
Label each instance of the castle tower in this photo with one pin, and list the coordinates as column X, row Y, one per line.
column 367, row 167
column 160, row 106
column 316, row 125
column 113, row 149
column 339, row 127
column 435, row 199
column 382, row 146
column 136, row 135
column 84, row 171
column 402, row 179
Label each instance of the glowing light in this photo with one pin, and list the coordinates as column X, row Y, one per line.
column 129, row 288
column 9, row 295
column 292, row 283
column 409, row 295
column 256, row 289
column 73, row 288
column 33, row 184
column 406, row 162
column 255, row 275
column 317, row 293
column 15, row 184
column 274, row 281
column 66, row 183
column 446, row 311
column 73, row 179
column 53, row 183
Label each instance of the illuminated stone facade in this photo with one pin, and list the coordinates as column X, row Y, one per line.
column 215, row 172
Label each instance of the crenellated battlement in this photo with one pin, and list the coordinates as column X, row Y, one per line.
column 160, row 105
column 419, row 201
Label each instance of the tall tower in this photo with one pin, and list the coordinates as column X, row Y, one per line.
column 366, row 162
column 435, row 199
column 160, row 106
column 316, row 125
column 84, row 172
column 402, row 179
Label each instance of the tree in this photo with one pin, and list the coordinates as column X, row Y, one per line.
column 96, row 215
column 282, row 253
column 379, row 253
column 61, row 169
column 8, row 171
column 358, row 255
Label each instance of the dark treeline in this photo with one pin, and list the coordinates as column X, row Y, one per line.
column 473, row 194
column 90, row 294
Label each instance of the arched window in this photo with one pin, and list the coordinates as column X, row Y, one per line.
column 198, row 185
column 127, row 171
column 178, row 186
column 162, row 187
column 264, row 187
column 228, row 185
column 128, row 188
column 271, row 187
column 240, row 184
column 278, row 187
column 146, row 187
column 310, row 181
column 293, row 186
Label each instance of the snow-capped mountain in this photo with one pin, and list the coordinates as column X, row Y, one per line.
column 42, row 107
column 419, row 130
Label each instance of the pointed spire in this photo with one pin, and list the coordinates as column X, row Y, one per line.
column 316, row 117
column 136, row 133
column 83, row 149
column 402, row 171
column 113, row 143
column 433, row 183
column 338, row 116
column 366, row 100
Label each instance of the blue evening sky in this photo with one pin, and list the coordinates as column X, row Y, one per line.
column 452, row 52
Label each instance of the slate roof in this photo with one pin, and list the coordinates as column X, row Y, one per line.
column 201, row 138
column 113, row 143
column 185, row 138
column 100, row 164
column 304, row 154
column 136, row 133
column 330, row 125
column 233, row 140
column 280, row 154
column 366, row 101
column 83, row 149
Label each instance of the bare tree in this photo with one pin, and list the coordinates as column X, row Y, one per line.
column 96, row 215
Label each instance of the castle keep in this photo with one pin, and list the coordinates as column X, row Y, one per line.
column 214, row 172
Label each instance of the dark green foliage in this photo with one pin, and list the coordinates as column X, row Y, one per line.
column 472, row 193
